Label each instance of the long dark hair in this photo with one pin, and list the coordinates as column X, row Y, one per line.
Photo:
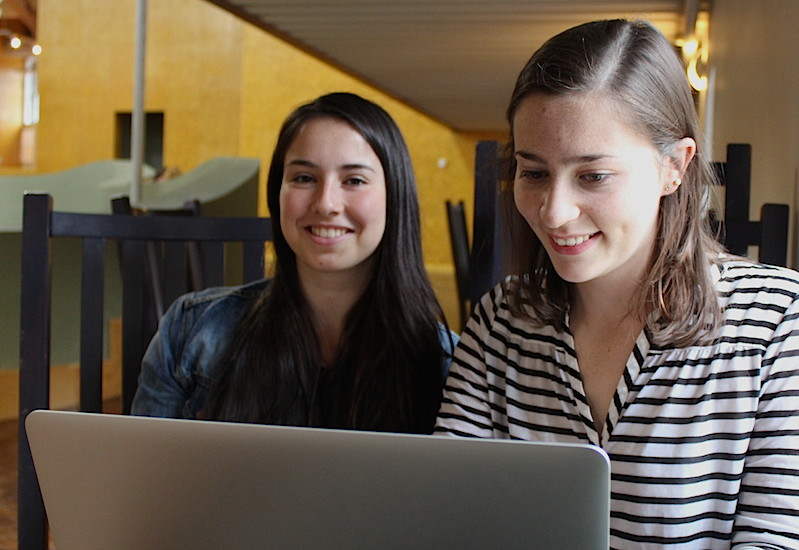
column 631, row 64
column 387, row 375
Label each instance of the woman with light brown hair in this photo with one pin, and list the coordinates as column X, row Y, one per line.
column 623, row 324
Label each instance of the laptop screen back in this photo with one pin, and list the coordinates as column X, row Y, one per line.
column 111, row 481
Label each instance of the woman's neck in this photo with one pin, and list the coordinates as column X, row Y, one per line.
column 330, row 297
column 605, row 327
column 601, row 303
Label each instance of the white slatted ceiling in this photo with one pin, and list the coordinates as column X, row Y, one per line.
column 455, row 60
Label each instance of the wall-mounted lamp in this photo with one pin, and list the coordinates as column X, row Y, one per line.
column 694, row 54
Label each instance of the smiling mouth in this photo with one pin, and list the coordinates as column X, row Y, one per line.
column 327, row 232
column 572, row 241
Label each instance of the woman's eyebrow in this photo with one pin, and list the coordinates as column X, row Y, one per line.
column 349, row 166
column 301, row 162
column 528, row 156
column 577, row 159
column 356, row 166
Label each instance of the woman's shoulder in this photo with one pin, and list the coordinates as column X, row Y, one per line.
column 209, row 316
column 224, row 302
column 498, row 294
column 212, row 295
column 494, row 308
column 740, row 272
column 744, row 284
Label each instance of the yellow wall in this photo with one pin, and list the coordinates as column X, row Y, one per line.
column 224, row 85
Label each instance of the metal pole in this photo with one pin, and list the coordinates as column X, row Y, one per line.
column 137, row 115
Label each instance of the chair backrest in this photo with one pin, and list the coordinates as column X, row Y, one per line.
column 41, row 225
column 459, row 238
column 738, row 232
column 172, row 268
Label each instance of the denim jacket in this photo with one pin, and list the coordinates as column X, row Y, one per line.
column 192, row 338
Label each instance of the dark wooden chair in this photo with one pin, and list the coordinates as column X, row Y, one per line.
column 41, row 226
column 487, row 259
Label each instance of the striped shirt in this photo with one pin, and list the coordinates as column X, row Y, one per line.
column 703, row 441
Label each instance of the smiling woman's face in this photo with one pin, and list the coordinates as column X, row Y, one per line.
column 589, row 186
column 333, row 199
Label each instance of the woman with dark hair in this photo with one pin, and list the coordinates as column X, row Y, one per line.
column 622, row 323
column 348, row 332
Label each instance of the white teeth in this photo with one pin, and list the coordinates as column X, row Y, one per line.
column 572, row 241
column 327, row 232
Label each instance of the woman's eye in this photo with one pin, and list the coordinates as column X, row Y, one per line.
column 594, row 178
column 355, row 181
column 532, row 174
column 301, row 178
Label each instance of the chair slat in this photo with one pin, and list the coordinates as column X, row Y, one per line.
column 176, row 273
column 213, row 263
column 134, row 316
column 459, row 239
column 34, row 366
column 165, row 228
column 91, row 326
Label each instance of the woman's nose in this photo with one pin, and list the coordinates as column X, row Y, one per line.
column 328, row 198
column 560, row 205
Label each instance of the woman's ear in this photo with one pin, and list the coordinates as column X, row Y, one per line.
column 677, row 164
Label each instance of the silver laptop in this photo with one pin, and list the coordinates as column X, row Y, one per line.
column 126, row 482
